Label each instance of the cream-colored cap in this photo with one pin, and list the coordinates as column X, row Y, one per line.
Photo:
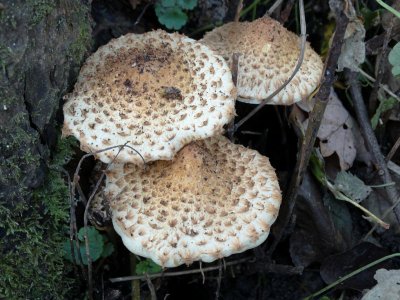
column 156, row 92
column 212, row 200
column 268, row 56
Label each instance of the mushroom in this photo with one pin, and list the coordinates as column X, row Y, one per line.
column 155, row 92
column 212, row 200
column 268, row 55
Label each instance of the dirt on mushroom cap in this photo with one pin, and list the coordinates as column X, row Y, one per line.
column 155, row 91
column 268, row 55
column 213, row 200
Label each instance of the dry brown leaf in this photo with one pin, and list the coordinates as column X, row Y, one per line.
column 336, row 133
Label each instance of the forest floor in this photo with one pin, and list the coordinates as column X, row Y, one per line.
column 321, row 234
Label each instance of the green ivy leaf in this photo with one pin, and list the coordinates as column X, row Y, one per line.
column 394, row 59
column 171, row 17
column 167, row 3
column 107, row 250
column 187, row 4
column 384, row 105
column 147, row 266
column 97, row 246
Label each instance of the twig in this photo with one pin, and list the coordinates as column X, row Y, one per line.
column 273, row 7
column 393, row 150
column 142, row 13
column 201, row 271
column 238, row 11
column 383, row 86
column 370, row 138
column 307, row 143
column 286, row 11
column 135, row 284
column 380, row 64
column 151, row 288
column 219, row 279
column 179, row 273
column 73, row 231
column 85, row 217
column 296, row 69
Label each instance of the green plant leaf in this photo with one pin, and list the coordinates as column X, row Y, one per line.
column 187, row 4
column 384, row 105
column 167, row 3
column 147, row 266
column 394, row 59
column 352, row 186
column 171, row 17
column 96, row 246
column 107, row 250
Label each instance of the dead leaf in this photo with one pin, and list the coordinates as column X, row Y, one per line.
column 353, row 49
column 339, row 265
column 336, row 133
column 315, row 236
column 388, row 286
column 352, row 186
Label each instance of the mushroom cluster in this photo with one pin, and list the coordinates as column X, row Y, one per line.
column 199, row 197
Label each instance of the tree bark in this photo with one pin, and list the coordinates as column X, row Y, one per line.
column 42, row 45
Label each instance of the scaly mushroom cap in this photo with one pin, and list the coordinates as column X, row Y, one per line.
column 155, row 91
column 212, row 200
column 268, row 55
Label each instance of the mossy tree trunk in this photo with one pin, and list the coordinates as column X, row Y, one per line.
column 42, row 45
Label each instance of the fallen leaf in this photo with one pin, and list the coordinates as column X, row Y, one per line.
column 336, row 133
column 353, row 49
column 388, row 286
column 336, row 266
column 352, row 186
column 315, row 236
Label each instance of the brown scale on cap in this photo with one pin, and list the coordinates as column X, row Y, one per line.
column 144, row 90
column 201, row 200
column 268, row 56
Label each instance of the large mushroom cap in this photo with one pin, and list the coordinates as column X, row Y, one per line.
column 268, row 55
column 155, row 91
column 212, row 200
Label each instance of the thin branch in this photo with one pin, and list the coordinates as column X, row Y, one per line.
column 274, row 7
column 142, row 13
column 393, row 151
column 219, row 279
column 303, row 37
column 74, row 183
column 151, row 288
column 380, row 63
column 307, row 143
column 382, row 86
column 238, row 11
column 179, row 273
column 370, row 138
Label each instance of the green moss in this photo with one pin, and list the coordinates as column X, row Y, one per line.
column 79, row 47
column 32, row 264
column 40, row 9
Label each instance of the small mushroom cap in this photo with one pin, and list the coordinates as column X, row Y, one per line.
column 155, row 91
column 268, row 56
column 212, row 200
